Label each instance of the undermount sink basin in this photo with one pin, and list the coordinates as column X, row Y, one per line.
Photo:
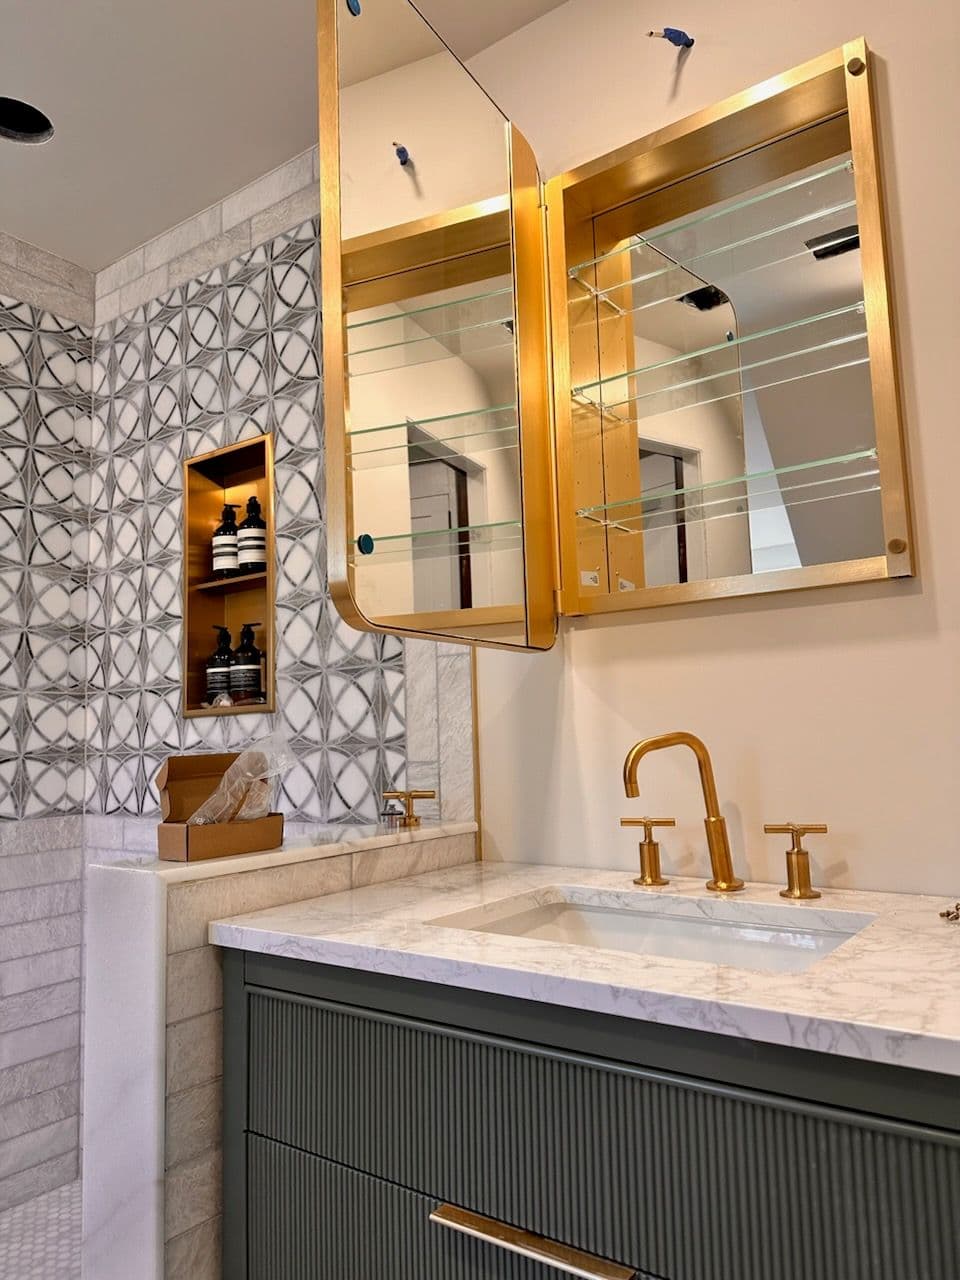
column 745, row 935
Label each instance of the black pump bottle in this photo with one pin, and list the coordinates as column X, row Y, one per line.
column 219, row 666
column 252, row 540
column 246, row 671
column 225, row 561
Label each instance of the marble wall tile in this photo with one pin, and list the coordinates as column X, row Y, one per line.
column 193, row 1122
column 41, row 834
column 268, row 190
column 194, row 1194
column 46, row 1143
column 182, row 238
column 37, row 972
column 27, row 1008
column 24, row 871
column 18, row 905
column 194, row 983
column 38, row 936
column 47, row 266
column 142, row 289
column 124, row 271
column 48, row 295
column 374, row 866
column 39, row 1075
column 300, row 207
column 39, row 1110
column 196, row 1255
column 45, row 1038
column 38, row 1179
column 194, row 1052
column 230, row 243
column 190, row 907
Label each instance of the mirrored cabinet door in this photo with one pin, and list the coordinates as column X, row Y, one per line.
column 729, row 402
column 435, row 341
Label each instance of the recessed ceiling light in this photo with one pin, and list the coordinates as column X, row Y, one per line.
column 19, row 122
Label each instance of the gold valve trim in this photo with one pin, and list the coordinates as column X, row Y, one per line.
column 551, row 1253
column 410, row 819
column 650, row 875
column 799, row 886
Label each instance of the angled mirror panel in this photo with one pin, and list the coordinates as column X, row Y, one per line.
column 732, row 401
column 426, row 439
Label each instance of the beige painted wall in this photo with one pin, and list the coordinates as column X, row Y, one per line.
column 840, row 706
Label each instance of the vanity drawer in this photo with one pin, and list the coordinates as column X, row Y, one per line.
column 310, row 1219
column 673, row 1176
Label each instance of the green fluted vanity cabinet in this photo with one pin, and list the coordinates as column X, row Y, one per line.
column 357, row 1104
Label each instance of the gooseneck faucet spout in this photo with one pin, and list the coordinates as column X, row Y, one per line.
column 718, row 842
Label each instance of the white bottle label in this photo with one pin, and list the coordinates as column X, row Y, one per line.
column 224, row 552
column 252, row 548
column 245, row 678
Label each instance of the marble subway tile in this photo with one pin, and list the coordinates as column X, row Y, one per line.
column 107, row 307
column 197, row 1254
column 24, row 1045
column 194, row 983
column 268, row 190
column 420, row 689
column 39, row 1075
column 34, row 972
column 50, row 297
column 8, row 249
column 194, row 1194
column 103, row 831
column 193, row 1122
column 140, row 835
column 38, row 936
column 124, row 271
column 194, row 1052
column 23, row 871
column 42, row 1177
column 18, row 905
column 180, row 239
column 143, row 289
column 376, row 866
column 28, row 1008
column 27, row 1114
column 191, row 907
column 455, row 716
column 290, row 212
column 47, row 266
column 37, row 835
column 232, row 242
column 29, row 1149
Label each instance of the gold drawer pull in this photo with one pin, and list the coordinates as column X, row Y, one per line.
column 572, row 1262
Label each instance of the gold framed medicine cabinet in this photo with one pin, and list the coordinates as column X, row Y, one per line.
column 437, row 418
column 724, row 413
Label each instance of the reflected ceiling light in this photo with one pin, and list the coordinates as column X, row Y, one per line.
column 20, row 122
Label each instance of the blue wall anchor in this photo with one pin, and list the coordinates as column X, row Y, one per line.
column 675, row 36
column 403, row 155
column 365, row 544
column 354, row 7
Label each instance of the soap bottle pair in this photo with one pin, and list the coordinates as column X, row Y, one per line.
column 235, row 676
column 240, row 548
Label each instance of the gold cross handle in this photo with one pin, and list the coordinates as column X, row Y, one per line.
column 648, row 824
column 650, row 873
column 798, row 858
column 410, row 819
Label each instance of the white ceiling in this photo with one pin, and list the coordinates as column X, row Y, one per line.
column 162, row 109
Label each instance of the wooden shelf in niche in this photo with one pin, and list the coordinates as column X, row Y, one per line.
column 233, row 474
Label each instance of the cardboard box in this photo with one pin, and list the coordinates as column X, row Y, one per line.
column 184, row 783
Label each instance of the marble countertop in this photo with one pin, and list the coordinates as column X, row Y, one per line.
column 889, row 994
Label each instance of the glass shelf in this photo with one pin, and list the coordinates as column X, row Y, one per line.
column 456, row 444
column 459, row 327
column 500, row 535
column 834, row 340
column 754, row 491
column 660, row 259
column 489, row 419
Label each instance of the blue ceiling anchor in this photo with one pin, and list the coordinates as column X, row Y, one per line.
column 403, row 155
column 675, row 36
column 354, row 7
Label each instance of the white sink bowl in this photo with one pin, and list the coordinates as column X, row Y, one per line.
column 743, row 934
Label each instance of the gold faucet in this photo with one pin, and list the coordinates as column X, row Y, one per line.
column 718, row 842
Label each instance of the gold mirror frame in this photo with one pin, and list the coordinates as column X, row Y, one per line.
column 785, row 111
column 367, row 263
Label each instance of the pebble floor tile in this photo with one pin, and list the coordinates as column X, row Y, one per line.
column 40, row 1240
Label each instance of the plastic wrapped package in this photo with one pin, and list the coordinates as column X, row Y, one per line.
column 248, row 787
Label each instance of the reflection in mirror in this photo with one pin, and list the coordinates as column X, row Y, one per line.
column 743, row 379
column 433, row 445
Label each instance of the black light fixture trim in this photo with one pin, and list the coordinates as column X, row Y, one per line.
column 831, row 245
column 705, row 298
column 20, row 122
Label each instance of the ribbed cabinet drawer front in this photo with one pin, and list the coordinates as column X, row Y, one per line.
column 313, row 1220
column 660, row 1174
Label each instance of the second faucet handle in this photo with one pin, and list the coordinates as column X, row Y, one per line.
column 798, row 859
column 650, row 873
column 410, row 819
